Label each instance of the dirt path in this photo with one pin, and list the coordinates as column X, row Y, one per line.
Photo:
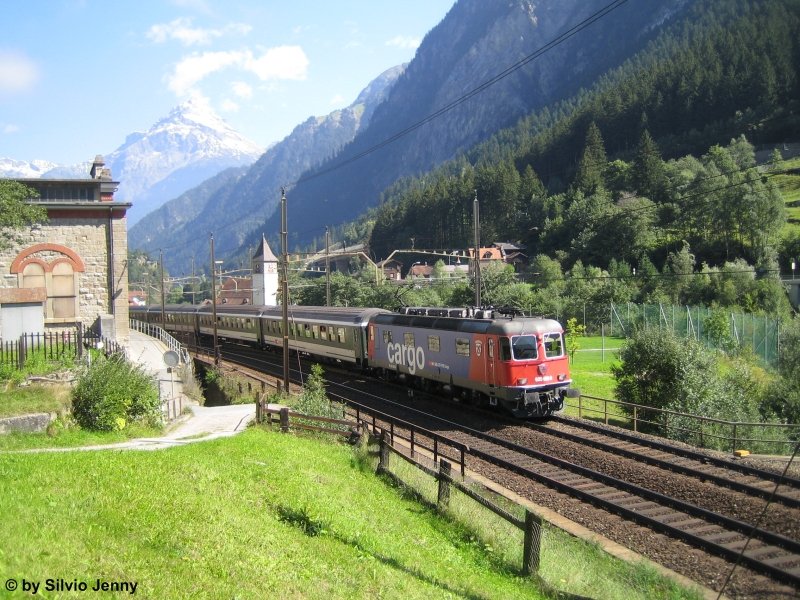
column 205, row 423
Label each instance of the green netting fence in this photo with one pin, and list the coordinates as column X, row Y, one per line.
column 715, row 328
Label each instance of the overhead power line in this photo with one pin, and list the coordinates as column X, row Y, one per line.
column 558, row 40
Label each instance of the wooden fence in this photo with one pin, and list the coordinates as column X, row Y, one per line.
column 531, row 525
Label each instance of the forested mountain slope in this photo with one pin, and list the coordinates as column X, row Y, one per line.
column 721, row 73
column 475, row 41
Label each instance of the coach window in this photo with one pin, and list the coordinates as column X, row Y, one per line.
column 408, row 340
column 307, row 329
column 462, row 346
column 315, row 331
column 323, row 332
column 433, row 343
column 341, row 336
column 553, row 346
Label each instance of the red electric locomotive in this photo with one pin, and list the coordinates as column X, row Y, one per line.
column 482, row 356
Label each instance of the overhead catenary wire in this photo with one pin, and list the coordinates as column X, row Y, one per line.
column 558, row 40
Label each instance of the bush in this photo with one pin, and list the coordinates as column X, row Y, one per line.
column 111, row 392
column 661, row 370
column 313, row 400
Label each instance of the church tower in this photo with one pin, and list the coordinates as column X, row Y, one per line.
column 265, row 275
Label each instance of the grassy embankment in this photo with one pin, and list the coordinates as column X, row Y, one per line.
column 266, row 515
column 789, row 184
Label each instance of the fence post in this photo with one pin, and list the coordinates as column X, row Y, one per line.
column 258, row 408
column 284, row 420
column 580, row 406
column 443, row 497
column 532, row 546
column 734, row 437
column 383, row 462
column 79, row 340
column 21, row 352
column 635, row 419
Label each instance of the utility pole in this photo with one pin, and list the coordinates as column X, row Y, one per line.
column 285, row 290
column 477, row 232
column 327, row 268
column 163, row 312
column 214, row 302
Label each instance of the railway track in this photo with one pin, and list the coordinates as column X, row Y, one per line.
column 771, row 551
column 744, row 478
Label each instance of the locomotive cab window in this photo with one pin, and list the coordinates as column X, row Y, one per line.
column 553, row 345
column 505, row 349
column 462, row 346
column 524, row 347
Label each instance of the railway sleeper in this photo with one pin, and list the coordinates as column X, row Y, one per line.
column 724, row 537
column 783, row 562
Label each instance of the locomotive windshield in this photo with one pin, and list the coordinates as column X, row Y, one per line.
column 523, row 347
column 553, row 345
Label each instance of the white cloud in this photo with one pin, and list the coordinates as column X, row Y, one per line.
column 282, row 62
column 337, row 100
column 18, row 73
column 405, row 42
column 229, row 105
column 9, row 128
column 197, row 67
column 181, row 30
column 242, row 89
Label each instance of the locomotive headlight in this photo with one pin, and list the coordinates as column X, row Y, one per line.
column 522, row 381
column 562, row 377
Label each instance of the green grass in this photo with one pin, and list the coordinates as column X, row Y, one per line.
column 33, row 399
column 591, row 374
column 789, row 186
column 263, row 515
column 64, row 433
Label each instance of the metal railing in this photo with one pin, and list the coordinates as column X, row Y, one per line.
column 687, row 427
column 157, row 332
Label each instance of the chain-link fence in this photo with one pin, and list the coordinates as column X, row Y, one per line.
column 715, row 328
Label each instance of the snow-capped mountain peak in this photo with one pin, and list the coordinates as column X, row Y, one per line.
column 189, row 145
column 23, row 169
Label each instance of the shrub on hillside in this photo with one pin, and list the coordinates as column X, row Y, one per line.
column 111, row 392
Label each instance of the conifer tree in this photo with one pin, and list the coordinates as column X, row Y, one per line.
column 647, row 172
column 592, row 165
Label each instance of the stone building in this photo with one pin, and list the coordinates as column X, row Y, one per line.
column 73, row 268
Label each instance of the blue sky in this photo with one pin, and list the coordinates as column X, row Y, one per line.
column 77, row 76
